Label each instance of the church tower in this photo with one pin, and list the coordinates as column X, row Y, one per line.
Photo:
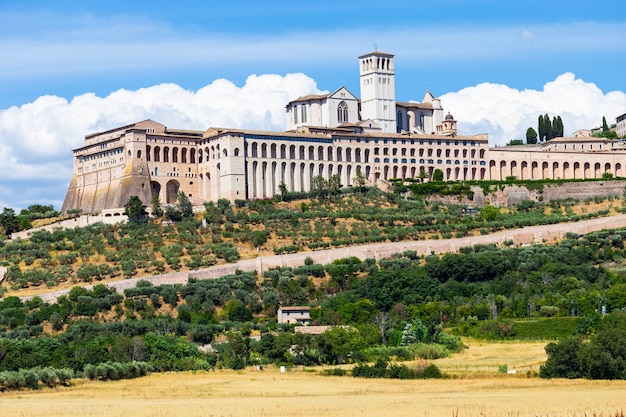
column 378, row 90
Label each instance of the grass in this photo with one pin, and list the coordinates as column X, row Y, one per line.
column 297, row 393
column 475, row 389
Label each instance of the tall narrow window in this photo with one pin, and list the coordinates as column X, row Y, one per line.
column 303, row 115
column 342, row 112
column 295, row 115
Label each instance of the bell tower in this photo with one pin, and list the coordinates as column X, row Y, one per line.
column 378, row 90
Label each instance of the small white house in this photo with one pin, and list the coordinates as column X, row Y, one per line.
column 294, row 315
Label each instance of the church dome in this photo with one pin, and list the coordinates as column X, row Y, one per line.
column 449, row 116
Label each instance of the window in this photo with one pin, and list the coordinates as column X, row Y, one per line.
column 342, row 112
column 303, row 115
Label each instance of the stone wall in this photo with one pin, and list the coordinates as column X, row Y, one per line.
column 511, row 195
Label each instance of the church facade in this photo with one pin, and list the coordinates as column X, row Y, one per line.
column 331, row 134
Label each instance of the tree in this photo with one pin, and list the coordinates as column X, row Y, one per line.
column 319, row 186
column 282, row 187
column 531, row 136
column 437, row 175
column 334, row 185
column 422, row 174
column 605, row 126
column 155, row 203
column 135, row 209
column 359, row 180
column 383, row 322
column 9, row 221
column 515, row 142
column 548, row 127
column 559, row 127
column 541, row 127
column 184, row 205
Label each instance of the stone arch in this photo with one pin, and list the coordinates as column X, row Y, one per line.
column 264, row 150
column 502, row 170
column 544, row 170
column 138, row 153
column 171, row 191
column 596, row 170
column 577, row 173
column 329, row 153
column 587, row 170
column 175, row 154
column 534, row 171
column 320, row 153
column 618, row 170
column 292, row 152
column 155, row 188
column 192, row 156
column 339, row 156
column 357, row 155
column 157, row 154
column 566, row 170
column 348, row 155
column 273, row 151
column 555, row 170
column 255, row 150
column 166, row 154
column 301, row 152
column 311, row 153
column 183, row 155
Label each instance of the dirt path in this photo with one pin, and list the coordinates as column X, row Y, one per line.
column 524, row 236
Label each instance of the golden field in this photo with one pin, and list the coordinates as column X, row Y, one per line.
column 476, row 391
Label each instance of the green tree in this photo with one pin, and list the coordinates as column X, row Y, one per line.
column 515, row 142
column 541, row 128
column 9, row 221
column 437, row 175
column 135, row 209
column 184, row 205
column 334, row 185
column 422, row 175
column 319, row 187
column 605, row 127
column 531, row 136
column 155, row 203
column 359, row 180
column 548, row 127
column 282, row 187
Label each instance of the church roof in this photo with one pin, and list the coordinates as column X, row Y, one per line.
column 377, row 53
column 414, row 105
column 309, row 97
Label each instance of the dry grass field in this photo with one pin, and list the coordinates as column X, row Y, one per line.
column 477, row 391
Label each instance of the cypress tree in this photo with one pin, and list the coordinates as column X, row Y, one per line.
column 548, row 127
column 541, row 128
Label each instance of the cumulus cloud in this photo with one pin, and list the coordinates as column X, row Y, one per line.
column 506, row 113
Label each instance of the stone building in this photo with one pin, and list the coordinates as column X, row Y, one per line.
column 332, row 134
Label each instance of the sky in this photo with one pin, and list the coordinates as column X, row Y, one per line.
column 70, row 68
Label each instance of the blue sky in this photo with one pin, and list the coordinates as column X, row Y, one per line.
column 66, row 64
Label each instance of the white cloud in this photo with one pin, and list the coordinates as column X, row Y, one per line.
column 505, row 113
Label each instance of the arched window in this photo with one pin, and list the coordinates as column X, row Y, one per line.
column 342, row 112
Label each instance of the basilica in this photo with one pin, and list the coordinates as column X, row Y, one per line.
column 330, row 134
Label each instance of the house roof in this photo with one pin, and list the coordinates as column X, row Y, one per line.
column 295, row 308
